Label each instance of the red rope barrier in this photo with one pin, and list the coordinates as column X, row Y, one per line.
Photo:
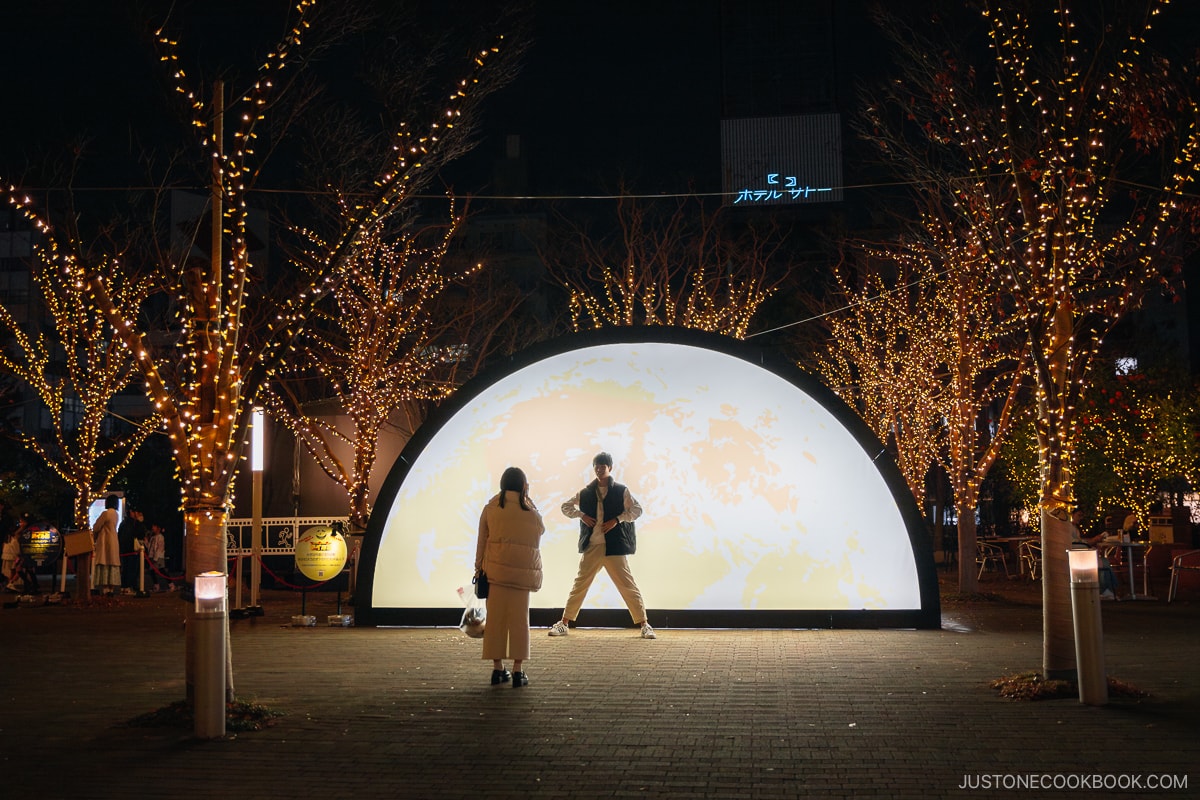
column 285, row 583
column 159, row 572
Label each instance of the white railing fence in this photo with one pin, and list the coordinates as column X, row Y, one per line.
column 279, row 539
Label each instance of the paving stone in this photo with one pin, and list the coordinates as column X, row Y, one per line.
column 409, row 713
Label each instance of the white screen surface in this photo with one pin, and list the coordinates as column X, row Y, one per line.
column 755, row 496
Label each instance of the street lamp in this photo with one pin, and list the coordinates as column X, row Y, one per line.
column 1084, row 564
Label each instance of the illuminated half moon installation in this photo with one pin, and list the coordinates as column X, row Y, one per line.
column 767, row 502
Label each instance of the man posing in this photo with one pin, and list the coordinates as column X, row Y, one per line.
column 606, row 511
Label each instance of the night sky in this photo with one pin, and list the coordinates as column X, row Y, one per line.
column 610, row 91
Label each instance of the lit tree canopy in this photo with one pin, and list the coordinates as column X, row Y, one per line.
column 231, row 317
column 75, row 365
column 684, row 266
column 933, row 364
column 884, row 354
column 390, row 342
column 1068, row 156
column 1138, row 441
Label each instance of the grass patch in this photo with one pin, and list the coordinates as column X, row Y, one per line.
column 1032, row 686
column 240, row 717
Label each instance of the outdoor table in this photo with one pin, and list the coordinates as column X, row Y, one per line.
column 1129, row 548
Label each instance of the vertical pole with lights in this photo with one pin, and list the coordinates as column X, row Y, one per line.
column 257, row 459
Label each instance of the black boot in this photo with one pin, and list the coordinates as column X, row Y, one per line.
column 501, row 676
column 520, row 679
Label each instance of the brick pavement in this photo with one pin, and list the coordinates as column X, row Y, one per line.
column 409, row 713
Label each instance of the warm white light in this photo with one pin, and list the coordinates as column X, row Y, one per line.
column 210, row 591
column 256, row 439
column 1085, row 566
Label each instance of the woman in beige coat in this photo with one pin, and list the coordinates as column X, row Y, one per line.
column 510, row 530
column 108, row 554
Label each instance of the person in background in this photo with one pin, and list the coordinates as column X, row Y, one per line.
column 507, row 551
column 606, row 511
column 156, row 554
column 8, row 560
column 23, row 575
column 1108, row 579
column 131, row 529
column 107, row 555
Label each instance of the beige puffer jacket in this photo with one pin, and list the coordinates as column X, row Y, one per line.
column 508, row 543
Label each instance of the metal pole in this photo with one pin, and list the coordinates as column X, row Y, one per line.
column 256, row 537
column 237, row 602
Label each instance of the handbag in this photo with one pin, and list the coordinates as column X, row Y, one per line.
column 78, row 543
column 481, row 585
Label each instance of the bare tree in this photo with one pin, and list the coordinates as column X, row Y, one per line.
column 682, row 266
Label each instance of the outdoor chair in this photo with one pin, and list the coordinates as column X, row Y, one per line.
column 1184, row 562
column 1030, row 553
column 988, row 555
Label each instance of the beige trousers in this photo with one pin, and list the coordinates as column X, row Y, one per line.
column 506, row 632
column 590, row 564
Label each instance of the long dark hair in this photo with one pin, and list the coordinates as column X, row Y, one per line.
column 513, row 480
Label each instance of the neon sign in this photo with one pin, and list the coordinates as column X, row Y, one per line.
column 775, row 190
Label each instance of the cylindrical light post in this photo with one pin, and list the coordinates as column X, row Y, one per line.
column 1089, row 638
column 209, row 620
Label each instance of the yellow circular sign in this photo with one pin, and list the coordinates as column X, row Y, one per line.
column 320, row 553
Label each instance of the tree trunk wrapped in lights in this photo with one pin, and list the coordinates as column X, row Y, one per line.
column 1069, row 157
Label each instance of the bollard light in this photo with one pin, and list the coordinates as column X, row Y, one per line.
column 210, row 592
column 257, row 449
column 210, row 620
column 1084, row 564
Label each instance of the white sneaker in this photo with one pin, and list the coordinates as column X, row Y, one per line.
column 647, row 631
column 1107, row 594
column 558, row 629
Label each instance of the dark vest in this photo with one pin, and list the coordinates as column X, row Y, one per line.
column 621, row 540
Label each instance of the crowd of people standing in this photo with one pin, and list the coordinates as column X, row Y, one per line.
column 118, row 549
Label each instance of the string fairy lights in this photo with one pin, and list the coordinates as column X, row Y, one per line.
column 1051, row 147
column 231, row 334
column 683, row 269
column 922, row 353
column 75, row 365
column 377, row 350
